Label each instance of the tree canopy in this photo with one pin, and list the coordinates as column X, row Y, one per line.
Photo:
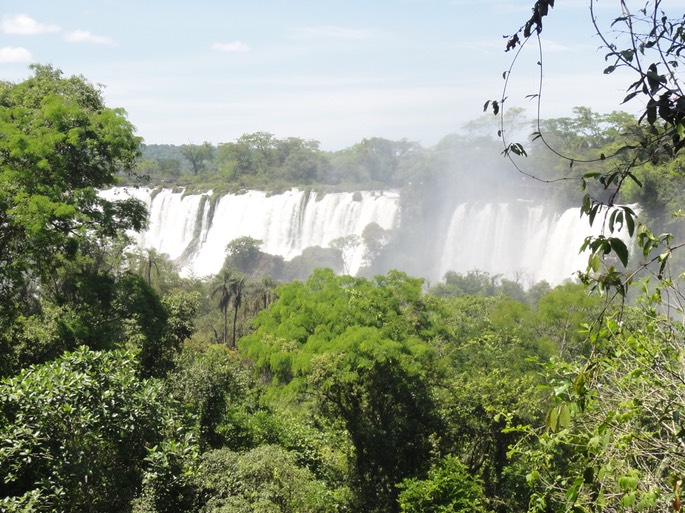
column 59, row 145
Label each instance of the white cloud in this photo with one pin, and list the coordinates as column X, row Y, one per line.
column 83, row 36
column 14, row 54
column 234, row 47
column 332, row 32
column 25, row 25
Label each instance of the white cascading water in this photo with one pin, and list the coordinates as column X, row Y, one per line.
column 183, row 226
column 518, row 239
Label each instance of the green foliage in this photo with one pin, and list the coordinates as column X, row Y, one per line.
column 266, row 479
column 587, row 139
column 489, row 347
column 359, row 347
column 261, row 161
column 76, row 432
column 229, row 287
column 320, row 446
column 473, row 283
column 198, row 155
column 378, row 389
column 308, row 316
column 59, row 144
column 347, row 393
column 144, row 324
column 613, row 432
column 41, row 338
column 169, row 480
column 181, row 308
column 243, row 254
column 624, row 399
column 100, row 310
column 158, row 271
column 207, row 383
column 448, row 488
column 563, row 311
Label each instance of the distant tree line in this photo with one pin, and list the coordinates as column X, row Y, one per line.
column 262, row 161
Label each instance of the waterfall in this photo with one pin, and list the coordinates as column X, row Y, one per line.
column 516, row 239
column 519, row 240
column 185, row 228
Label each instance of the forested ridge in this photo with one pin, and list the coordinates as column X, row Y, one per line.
column 125, row 387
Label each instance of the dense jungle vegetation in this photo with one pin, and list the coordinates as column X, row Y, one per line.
column 126, row 388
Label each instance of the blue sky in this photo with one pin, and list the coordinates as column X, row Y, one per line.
column 331, row 70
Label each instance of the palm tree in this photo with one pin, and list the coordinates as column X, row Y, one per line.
column 261, row 294
column 223, row 288
column 237, row 286
column 269, row 286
